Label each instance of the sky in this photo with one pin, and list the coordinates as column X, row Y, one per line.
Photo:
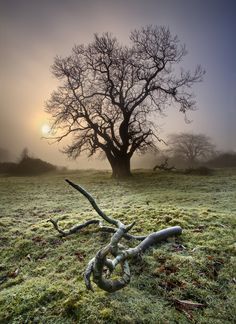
column 33, row 32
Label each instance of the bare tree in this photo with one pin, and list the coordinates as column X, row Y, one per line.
column 190, row 147
column 110, row 94
column 24, row 154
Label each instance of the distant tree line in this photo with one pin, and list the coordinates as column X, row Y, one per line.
column 223, row 160
column 185, row 151
column 26, row 166
column 190, row 151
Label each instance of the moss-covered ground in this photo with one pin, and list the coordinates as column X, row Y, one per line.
column 41, row 274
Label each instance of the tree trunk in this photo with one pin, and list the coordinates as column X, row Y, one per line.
column 120, row 167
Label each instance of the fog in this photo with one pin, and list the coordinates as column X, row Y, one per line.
column 33, row 33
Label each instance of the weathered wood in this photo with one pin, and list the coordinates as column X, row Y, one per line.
column 100, row 262
column 73, row 229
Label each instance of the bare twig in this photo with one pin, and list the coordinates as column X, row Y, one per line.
column 101, row 228
column 94, row 204
column 73, row 229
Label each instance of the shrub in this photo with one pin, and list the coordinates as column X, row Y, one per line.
column 202, row 170
column 32, row 166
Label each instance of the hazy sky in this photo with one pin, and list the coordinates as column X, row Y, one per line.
column 33, row 32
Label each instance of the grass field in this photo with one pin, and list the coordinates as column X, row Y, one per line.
column 41, row 274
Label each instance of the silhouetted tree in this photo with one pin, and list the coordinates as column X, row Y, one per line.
column 24, row 154
column 110, row 94
column 190, row 147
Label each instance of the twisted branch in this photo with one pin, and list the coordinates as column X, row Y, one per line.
column 73, row 229
column 101, row 228
column 98, row 265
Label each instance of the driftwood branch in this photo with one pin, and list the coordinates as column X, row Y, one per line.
column 101, row 267
column 98, row 264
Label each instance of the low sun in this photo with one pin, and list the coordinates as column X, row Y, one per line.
column 45, row 129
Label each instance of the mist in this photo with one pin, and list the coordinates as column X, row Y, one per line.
column 33, row 33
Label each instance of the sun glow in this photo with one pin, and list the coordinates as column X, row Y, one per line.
column 45, row 129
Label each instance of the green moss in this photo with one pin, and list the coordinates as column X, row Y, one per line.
column 106, row 313
column 199, row 265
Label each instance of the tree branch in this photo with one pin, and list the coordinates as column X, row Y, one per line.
column 100, row 262
column 73, row 229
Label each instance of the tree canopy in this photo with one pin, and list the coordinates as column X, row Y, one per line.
column 110, row 94
column 190, row 147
